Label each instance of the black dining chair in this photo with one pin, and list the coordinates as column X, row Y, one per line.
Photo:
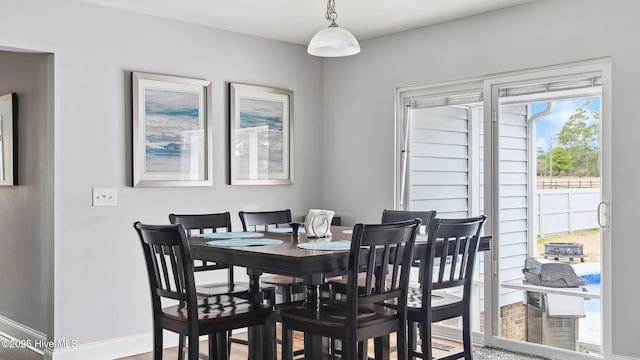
column 285, row 286
column 213, row 223
column 389, row 216
column 382, row 252
column 402, row 215
column 337, row 285
column 210, row 223
column 171, row 278
column 450, row 268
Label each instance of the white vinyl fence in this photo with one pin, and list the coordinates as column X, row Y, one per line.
column 567, row 210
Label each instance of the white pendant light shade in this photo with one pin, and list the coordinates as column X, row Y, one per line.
column 333, row 41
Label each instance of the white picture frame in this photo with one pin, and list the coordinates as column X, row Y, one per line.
column 261, row 135
column 172, row 131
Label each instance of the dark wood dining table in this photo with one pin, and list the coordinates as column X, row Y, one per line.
column 312, row 266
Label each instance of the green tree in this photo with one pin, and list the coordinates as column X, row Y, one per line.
column 562, row 163
column 579, row 137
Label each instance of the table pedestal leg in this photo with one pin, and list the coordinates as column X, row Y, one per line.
column 314, row 346
column 261, row 338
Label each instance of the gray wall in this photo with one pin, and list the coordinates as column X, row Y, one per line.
column 342, row 106
column 101, row 286
column 359, row 109
column 26, row 210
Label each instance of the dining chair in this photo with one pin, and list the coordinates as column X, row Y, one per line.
column 389, row 216
column 204, row 223
column 171, row 278
column 285, row 286
column 402, row 215
column 451, row 268
column 213, row 223
column 337, row 285
column 361, row 315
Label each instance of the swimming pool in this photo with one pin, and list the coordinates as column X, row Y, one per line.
column 590, row 324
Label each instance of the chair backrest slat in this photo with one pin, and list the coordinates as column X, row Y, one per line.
column 382, row 253
column 169, row 265
column 457, row 240
column 259, row 220
column 201, row 224
column 390, row 216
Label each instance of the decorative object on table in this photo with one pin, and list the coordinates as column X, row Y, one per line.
column 318, row 223
column 260, row 125
column 333, row 41
column 295, row 227
column 8, row 149
column 171, row 131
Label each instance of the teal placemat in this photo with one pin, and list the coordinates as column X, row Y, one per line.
column 286, row 230
column 232, row 235
column 330, row 245
column 244, row 242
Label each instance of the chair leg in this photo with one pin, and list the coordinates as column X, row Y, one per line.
column 287, row 345
column 213, row 346
column 466, row 335
column 349, row 349
column 228, row 341
column 401, row 337
column 411, row 339
column 382, row 348
column 363, row 350
column 270, row 341
column 425, row 337
column 181, row 348
column 194, row 347
column 157, row 343
column 222, row 346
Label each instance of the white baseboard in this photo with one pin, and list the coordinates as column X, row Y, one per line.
column 620, row 357
column 114, row 348
column 23, row 335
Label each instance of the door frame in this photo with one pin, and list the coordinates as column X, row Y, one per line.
column 490, row 86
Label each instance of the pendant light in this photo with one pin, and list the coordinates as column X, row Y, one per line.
column 333, row 41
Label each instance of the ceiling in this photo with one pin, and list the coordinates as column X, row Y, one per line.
column 296, row 21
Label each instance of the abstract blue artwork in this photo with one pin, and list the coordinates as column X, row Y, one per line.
column 171, row 120
column 260, row 125
column 172, row 135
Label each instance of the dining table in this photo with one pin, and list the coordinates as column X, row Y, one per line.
column 280, row 251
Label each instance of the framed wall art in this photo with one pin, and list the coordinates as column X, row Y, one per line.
column 171, row 131
column 261, row 128
column 8, row 148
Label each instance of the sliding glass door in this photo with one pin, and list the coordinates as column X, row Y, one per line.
column 547, row 200
column 530, row 152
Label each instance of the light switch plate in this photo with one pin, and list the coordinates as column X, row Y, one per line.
column 105, row 197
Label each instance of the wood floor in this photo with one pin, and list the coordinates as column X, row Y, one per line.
column 239, row 352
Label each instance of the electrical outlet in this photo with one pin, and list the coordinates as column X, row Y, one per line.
column 105, row 197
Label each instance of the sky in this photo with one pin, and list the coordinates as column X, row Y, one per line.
column 548, row 126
